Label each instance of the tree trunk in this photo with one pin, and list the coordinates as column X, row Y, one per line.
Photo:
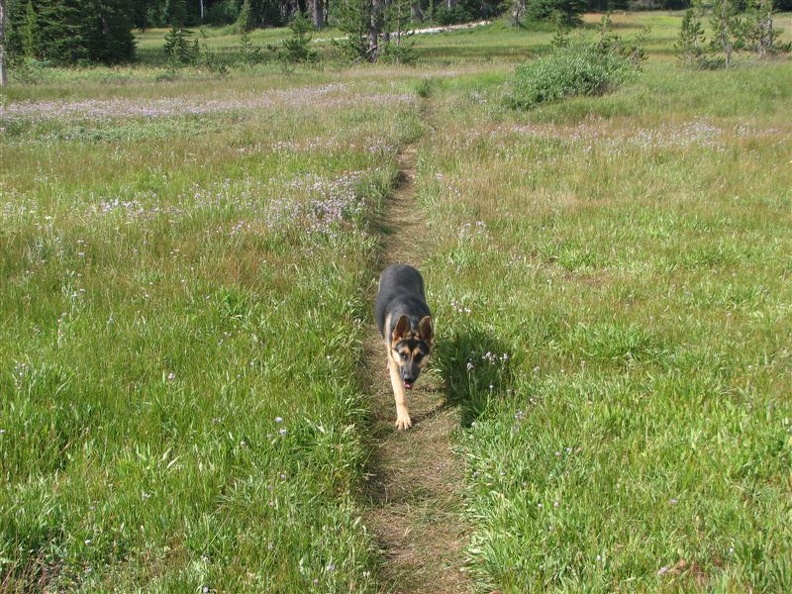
column 373, row 33
column 318, row 14
column 766, row 35
column 518, row 11
column 3, row 69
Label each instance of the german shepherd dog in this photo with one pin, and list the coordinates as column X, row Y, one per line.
column 405, row 322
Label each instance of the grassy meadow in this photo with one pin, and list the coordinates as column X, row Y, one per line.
column 188, row 262
column 620, row 296
column 183, row 296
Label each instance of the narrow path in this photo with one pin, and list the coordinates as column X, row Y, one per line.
column 415, row 480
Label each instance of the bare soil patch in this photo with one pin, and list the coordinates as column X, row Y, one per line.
column 415, row 478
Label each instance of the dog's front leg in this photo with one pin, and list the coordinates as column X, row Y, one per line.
column 402, row 414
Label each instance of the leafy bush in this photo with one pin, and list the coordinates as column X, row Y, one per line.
column 573, row 70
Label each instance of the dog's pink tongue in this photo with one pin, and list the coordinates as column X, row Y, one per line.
column 408, row 385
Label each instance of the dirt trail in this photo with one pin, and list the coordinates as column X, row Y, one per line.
column 415, row 506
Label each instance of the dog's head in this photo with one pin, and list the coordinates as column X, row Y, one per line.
column 410, row 349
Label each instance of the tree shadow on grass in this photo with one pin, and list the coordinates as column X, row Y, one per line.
column 477, row 370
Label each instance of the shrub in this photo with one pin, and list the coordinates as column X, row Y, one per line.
column 572, row 70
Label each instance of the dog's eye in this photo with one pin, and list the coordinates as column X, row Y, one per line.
column 403, row 356
column 418, row 357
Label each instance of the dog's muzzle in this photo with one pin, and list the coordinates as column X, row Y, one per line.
column 409, row 376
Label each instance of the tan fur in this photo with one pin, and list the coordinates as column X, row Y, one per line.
column 395, row 362
column 404, row 320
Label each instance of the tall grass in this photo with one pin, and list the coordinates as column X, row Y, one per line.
column 186, row 263
column 183, row 293
column 614, row 305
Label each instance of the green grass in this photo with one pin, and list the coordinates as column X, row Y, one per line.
column 615, row 286
column 182, row 304
column 187, row 265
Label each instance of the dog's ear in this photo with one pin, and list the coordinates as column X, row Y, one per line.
column 425, row 330
column 402, row 328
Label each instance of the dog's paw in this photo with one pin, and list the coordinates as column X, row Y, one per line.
column 403, row 422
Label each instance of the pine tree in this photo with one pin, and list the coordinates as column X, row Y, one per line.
column 570, row 12
column 74, row 31
column 691, row 38
column 760, row 33
column 354, row 17
column 399, row 46
column 245, row 20
column 376, row 29
column 296, row 49
column 62, row 35
column 727, row 26
column 3, row 67
column 30, row 32
column 109, row 31
column 178, row 46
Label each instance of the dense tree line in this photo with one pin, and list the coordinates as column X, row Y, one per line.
column 70, row 31
column 267, row 13
column 101, row 31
